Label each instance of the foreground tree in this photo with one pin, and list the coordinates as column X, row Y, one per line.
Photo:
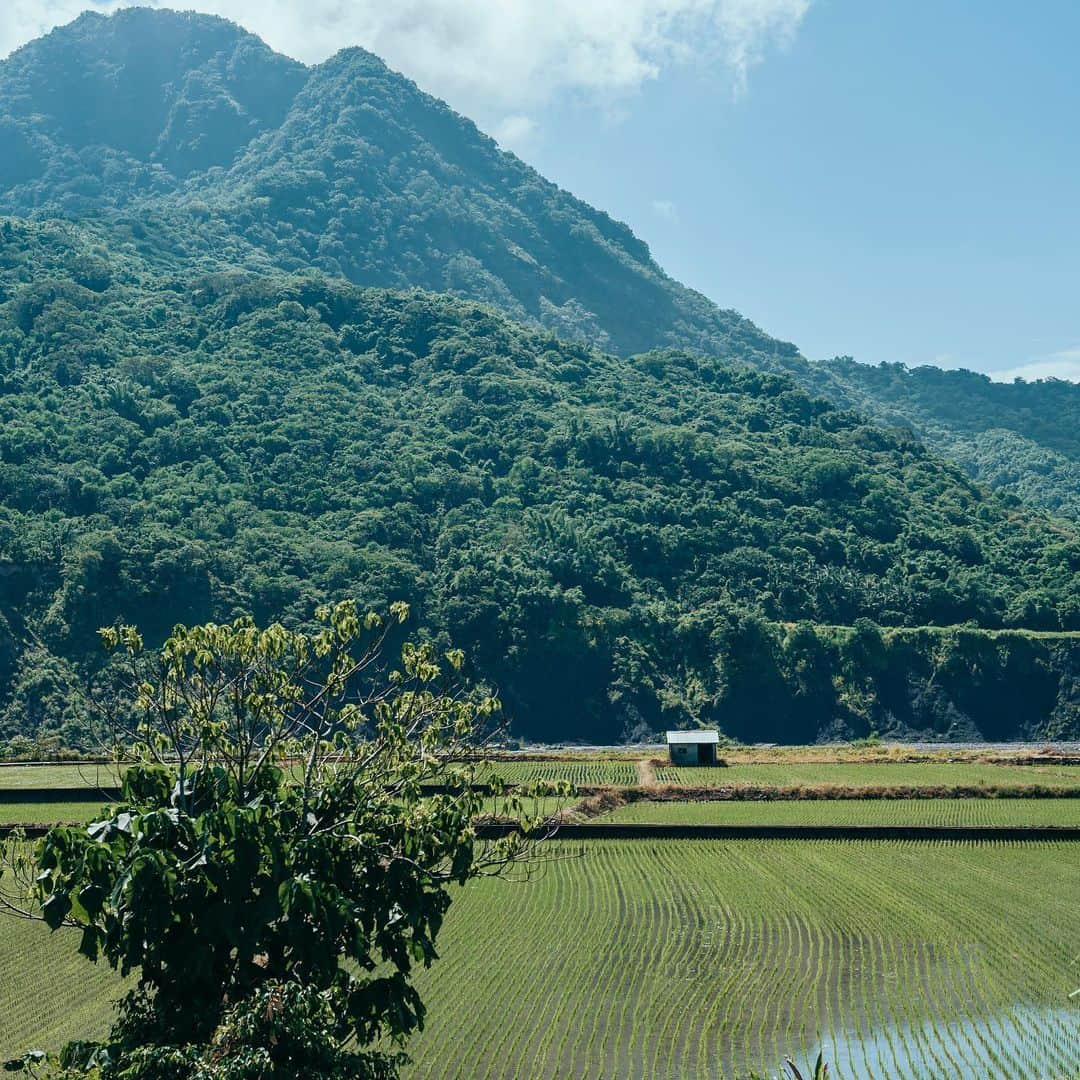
column 279, row 865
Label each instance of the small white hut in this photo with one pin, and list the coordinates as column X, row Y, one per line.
column 693, row 747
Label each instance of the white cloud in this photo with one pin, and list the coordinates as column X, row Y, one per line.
column 493, row 57
column 666, row 209
column 514, row 132
column 23, row 20
column 1059, row 365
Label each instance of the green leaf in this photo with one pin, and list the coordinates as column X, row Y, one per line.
column 89, row 944
column 56, row 909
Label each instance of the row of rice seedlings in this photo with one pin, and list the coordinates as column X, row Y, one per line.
column 586, row 773
column 990, row 987
column 697, row 959
column 889, row 1048
column 935, row 813
column 876, row 774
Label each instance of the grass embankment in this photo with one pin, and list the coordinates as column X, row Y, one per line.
column 49, row 813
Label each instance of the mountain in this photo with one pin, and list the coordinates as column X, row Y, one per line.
column 619, row 543
column 222, row 392
column 346, row 167
column 203, row 144
column 109, row 108
column 1020, row 438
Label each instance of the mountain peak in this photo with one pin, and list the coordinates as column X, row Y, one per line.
column 348, row 167
column 178, row 90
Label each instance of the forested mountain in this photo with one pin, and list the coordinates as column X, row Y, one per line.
column 613, row 540
column 208, row 146
column 201, row 416
column 1022, row 438
column 234, row 151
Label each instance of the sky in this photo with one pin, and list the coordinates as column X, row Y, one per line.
column 885, row 180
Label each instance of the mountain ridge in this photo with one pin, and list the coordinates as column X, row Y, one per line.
column 524, row 236
column 371, row 179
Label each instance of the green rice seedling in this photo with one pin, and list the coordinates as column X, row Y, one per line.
column 712, row 959
column 821, row 1070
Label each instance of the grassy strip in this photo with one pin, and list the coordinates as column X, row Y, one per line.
column 49, row 813
column 880, row 774
column 59, row 776
column 921, row 812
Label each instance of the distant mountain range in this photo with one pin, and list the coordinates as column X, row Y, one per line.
column 618, row 497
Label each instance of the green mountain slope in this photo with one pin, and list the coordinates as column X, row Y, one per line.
column 346, row 167
column 1021, row 438
column 205, row 147
column 616, row 541
column 107, row 109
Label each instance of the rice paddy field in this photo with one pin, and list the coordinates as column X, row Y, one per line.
column 49, row 994
column 934, row 813
column 623, row 772
column 874, row 774
column 589, row 772
column 63, row 776
column 706, row 959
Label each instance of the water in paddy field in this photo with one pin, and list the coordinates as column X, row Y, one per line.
column 1023, row 1043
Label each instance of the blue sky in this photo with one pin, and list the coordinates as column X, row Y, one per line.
column 888, row 180
column 901, row 183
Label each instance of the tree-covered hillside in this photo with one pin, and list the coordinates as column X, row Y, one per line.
column 612, row 540
column 1022, row 438
column 191, row 137
column 346, row 166
column 107, row 109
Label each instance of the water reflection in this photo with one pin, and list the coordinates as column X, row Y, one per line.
column 1023, row 1043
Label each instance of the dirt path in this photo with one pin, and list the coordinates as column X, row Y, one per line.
column 646, row 773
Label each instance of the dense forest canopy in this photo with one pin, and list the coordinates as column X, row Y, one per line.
column 1022, row 438
column 604, row 536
